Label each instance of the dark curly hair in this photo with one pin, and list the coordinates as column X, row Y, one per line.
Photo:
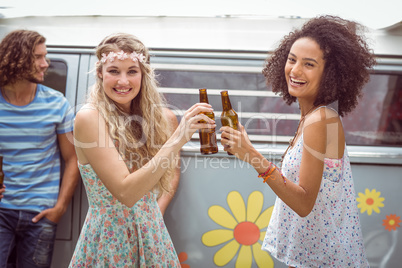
column 17, row 55
column 347, row 62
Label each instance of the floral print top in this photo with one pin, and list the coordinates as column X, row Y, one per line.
column 330, row 236
column 115, row 235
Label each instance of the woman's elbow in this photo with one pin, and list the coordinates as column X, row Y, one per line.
column 127, row 199
column 304, row 211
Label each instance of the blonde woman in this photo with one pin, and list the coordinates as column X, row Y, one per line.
column 127, row 144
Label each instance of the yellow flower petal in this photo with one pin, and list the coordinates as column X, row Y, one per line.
column 226, row 253
column 237, row 206
column 261, row 257
column 369, row 211
column 376, row 209
column 254, row 205
column 222, row 217
column 244, row 259
column 216, row 237
column 264, row 218
column 363, row 209
column 376, row 194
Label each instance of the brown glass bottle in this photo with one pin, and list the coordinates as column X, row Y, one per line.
column 208, row 135
column 229, row 116
column 1, row 173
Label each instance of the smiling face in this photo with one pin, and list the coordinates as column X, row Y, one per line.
column 304, row 69
column 121, row 81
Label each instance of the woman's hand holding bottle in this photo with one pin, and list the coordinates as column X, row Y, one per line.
column 237, row 142
column 190, row 123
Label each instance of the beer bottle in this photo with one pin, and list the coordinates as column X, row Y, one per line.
column 229, row 116
column 207, row 135
column 1, row 173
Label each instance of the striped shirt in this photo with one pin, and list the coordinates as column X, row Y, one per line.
column 31, row 156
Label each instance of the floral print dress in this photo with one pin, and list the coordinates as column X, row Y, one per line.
column 330, row 236
column 115, row 235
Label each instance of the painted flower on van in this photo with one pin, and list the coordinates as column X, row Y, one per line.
column 182, row 258
column 243, row 229
column 391, row 222
column 370, row 201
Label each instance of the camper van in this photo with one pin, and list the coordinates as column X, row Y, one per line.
column 220, row 202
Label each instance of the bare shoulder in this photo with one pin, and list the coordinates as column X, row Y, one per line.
column 322, row 116
column 88, row 122
column 316, row 125
column 86, row 115
column 171, row 117
column 323, row 132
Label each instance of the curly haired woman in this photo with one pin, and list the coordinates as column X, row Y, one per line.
column 315, row 221
column 127, row 145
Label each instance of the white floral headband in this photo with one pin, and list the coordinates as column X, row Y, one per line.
column 122, row 56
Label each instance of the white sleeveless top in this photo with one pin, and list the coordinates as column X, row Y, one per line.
column 330, row 236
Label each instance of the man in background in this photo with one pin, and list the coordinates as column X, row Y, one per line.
column 35, row 125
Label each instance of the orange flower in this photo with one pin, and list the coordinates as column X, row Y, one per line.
column 391, row 222
column 116, row 258
column 182, row 258
column 89, row 261
column 107, row 223
column 126, row 213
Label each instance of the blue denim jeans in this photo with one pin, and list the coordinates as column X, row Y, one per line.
column 33, row 242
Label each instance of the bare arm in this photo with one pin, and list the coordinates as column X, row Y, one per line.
column 2, row 190
column 166, row 198
column 299, row 197
column 69, row 180
column 94, row 146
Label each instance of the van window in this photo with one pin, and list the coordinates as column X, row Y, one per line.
column 56, row 76
column 265, row 116
column 377, row 119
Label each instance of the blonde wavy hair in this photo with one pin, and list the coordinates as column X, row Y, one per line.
column 139, row 134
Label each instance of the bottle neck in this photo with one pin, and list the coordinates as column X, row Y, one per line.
column 203, row 96
column 226, row 105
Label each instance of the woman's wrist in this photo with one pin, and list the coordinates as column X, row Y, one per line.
column 258, row 161
column 269, row 173
column 177, row 139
